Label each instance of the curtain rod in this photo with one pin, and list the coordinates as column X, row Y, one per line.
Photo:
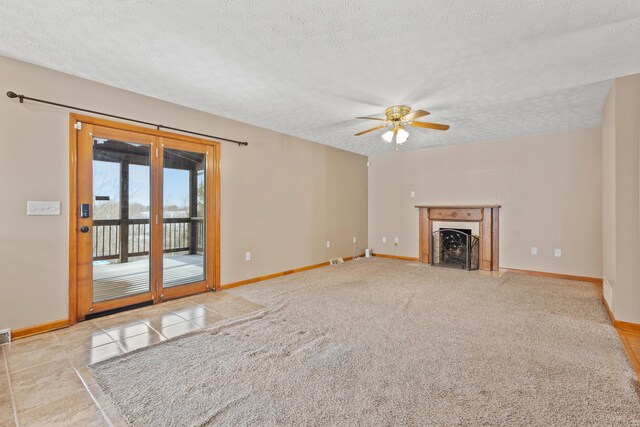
column 12, row 95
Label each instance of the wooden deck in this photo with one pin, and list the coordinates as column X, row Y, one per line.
column 115, row 280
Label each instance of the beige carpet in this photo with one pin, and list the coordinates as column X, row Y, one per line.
column 381, row 342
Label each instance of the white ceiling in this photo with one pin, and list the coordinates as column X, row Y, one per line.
column 490, row 69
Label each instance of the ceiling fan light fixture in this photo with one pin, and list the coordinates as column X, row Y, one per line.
column 388, row 136
column 401, row 135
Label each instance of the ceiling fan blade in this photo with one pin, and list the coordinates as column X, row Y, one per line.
column 429, row 125
column 414, row 115
column 371, row 118
column 370, row 130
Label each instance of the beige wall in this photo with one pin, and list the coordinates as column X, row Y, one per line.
column 282, row 197
column 549, row 187
column 621, row 197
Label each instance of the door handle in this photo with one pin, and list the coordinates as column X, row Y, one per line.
column 84, row 229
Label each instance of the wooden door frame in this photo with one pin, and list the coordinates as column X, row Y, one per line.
column 212, row 167
column 84, row 192
column 166, row 294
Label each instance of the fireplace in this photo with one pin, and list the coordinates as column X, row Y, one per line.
column 487, row 239
column 455, row 248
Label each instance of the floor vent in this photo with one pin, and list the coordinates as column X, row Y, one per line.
column 5, row 336
column 336, row 261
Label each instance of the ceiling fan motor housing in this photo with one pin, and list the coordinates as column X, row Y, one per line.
column 396, row 112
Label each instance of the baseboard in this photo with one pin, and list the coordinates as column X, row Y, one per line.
column 633, row 357
column 596, row 280
column 19, row 333
column 627, row 326
column 619, row 324
column 623, row 329
column 406, row 258
column 279, row 274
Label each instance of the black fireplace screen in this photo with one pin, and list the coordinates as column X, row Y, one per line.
column 455, row 248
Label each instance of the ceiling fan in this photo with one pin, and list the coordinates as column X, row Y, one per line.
column 399, row 117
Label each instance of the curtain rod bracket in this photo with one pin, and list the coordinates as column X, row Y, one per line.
column 21, row 98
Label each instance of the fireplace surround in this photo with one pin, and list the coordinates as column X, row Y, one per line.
column 488, row 217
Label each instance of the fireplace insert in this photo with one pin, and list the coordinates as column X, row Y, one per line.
column 455, row 248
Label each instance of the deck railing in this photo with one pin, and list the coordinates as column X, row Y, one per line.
column 179, row 235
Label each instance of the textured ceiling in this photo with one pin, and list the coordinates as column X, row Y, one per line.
column 490, row 69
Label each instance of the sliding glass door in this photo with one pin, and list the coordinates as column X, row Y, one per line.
column 145, row 218
column 184, row 216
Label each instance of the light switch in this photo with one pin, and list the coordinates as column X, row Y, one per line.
column 396, row 241
column 247, row 256
column 328, row 244
column 355, row 240
column 384, row 239
column 534, row 250
column 413, row 194
column 558, row 253
column 43, row 208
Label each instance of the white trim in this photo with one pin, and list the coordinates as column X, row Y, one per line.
column 607, row 291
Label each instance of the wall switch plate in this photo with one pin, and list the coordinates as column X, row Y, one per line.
column 534, row 250
column 328, row 244
column 247, row 256
column 396, row 241
column 43, row 208
column 355, row 240
column 413, row 194
column 384, row 239
column 558, row 253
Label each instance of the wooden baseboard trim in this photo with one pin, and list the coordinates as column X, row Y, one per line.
column 279, row 274
column 627, row 326
column 406, row 258
column 619, row 324
column 596, row 280
column 633, row 357
column 29, row 331
column 623, row 329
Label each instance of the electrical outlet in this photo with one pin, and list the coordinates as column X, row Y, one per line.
column 247, row 256
column 534, row 250
column 384, row 239
column 5, row 336
column 396, row 241
column 413, row 194
column 355, row 240
column 328, row 244
column 558, row 253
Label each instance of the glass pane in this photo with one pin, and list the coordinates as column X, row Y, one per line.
column 121, row 225
column 184, row 223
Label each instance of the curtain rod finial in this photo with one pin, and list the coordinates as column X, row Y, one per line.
column 11, row 94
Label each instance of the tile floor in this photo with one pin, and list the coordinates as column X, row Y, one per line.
column 44, row 379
